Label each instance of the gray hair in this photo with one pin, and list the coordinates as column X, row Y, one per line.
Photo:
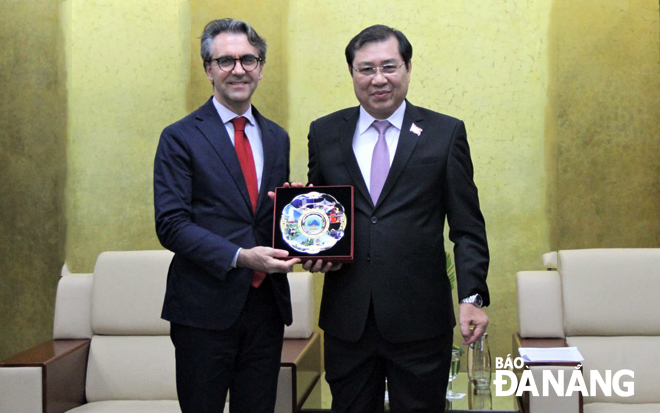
column 215, row 27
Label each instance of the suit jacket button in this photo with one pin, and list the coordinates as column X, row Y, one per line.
column 368, row 257
column 374, row 220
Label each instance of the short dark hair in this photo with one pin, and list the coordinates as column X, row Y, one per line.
column 379, row 33
column 215, row 27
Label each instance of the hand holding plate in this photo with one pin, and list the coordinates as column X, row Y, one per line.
column 320, row 266
column 271, row 194
column 266, row 259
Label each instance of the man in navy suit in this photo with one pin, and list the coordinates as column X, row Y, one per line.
column 227, row 295
column 389, row 314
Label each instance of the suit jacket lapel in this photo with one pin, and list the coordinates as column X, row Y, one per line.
column 269, row 146
column 346, row 133
column 211, row 126
column 407, row 142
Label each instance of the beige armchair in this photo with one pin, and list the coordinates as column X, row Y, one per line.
column 605, row 303
column 111, row 352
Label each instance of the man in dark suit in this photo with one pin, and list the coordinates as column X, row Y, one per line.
column 389, row 314
column 227, row 293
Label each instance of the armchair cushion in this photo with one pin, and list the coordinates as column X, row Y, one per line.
column 131, row 368
column 639, row 354
column 118, row 310
column 606, row 291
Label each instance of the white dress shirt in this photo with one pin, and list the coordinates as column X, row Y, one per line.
column 365, row 137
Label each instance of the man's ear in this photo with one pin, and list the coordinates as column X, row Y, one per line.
column 207, row 69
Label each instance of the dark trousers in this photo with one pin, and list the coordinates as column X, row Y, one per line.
column 417, row 372
column 244, row 359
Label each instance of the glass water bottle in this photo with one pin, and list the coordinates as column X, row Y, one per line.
column 479, row 363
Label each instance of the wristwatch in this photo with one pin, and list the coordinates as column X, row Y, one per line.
column 474, row 299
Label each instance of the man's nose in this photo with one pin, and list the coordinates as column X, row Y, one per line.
column 238, row 68
column 379, row 78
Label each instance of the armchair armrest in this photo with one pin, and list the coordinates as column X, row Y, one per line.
column 552, row 402
column 300, row 369
column 519, row 341
column 550, row 260
column 55, row 372
column 540, row 311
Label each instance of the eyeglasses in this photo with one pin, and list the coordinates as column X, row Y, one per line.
column 370, row 71
column 227, row 63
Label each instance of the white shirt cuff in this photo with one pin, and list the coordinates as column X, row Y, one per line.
column 233, row 262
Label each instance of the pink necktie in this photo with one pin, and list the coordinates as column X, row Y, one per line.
column 380, row 160
column 246, row 159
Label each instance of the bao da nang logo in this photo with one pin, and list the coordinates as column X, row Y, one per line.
column 562, row 383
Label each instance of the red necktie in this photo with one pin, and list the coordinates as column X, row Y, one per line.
column 246, row 159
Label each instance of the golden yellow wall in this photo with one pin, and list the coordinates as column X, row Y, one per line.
column 31, row 167
column 606, row 103
column 128, row 75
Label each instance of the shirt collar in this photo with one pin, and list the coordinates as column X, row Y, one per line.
column 396, row 119
column 227, row 115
